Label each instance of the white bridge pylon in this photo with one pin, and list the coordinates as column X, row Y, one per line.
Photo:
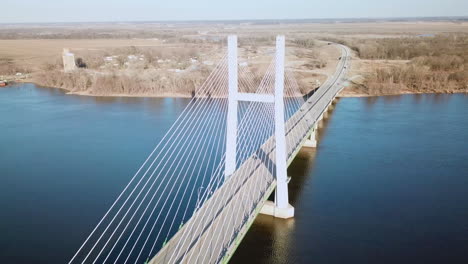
column 281, row 207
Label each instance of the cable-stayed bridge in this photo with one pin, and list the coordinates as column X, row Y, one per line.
column 196, row 195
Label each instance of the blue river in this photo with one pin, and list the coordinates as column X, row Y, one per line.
column 388, row 182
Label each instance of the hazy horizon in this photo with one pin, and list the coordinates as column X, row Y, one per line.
column 286, row 20
column 55, row 11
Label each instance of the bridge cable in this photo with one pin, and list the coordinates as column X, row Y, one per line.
column 175, row 125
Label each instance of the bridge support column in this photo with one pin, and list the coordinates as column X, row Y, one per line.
column 332, row 105
column 281, row 208
column 335, row 99
column 311, row 142
column 231, row 137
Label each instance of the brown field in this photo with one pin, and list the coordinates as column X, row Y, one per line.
column 389, row 57
column 33, row 52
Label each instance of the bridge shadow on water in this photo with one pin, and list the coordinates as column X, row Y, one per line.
column 271, row 240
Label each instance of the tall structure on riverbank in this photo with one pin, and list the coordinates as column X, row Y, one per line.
column 68, row 60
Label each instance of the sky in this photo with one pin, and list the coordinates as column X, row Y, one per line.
column 19, row 11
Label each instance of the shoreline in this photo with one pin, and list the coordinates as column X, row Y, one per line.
column 68, row 92
column 175, row 95
column 186, row 96
column 397, row 94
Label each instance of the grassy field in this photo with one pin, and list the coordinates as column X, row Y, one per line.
column 160, row 59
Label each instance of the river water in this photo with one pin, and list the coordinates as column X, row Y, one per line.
column 388, row 183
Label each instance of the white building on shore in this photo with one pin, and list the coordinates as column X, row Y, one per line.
column 68, row 60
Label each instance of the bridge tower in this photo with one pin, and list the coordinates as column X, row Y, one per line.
column 281, row 207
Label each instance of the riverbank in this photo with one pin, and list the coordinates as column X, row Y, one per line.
column 408, row 65
column 352, row 94
column 87, row 94
column 343, row 94
column 162, row 95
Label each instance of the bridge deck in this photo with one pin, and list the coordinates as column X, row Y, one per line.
column 234, row 206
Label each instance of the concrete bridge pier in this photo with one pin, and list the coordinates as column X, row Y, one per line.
column 335, row 100
column 320, row 119
column 329, row 108
column 311, row 142
column 270, row 208
column 332, row 105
